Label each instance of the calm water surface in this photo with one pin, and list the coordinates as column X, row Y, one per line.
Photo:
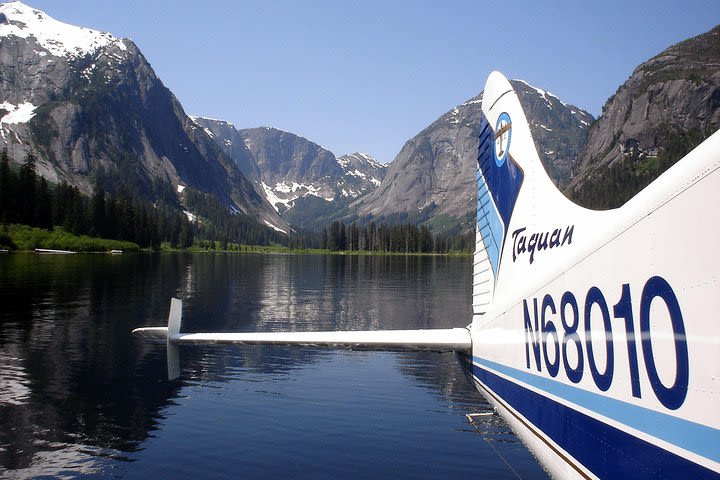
column 79, row 396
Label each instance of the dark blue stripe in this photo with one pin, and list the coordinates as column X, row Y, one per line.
column 503, row 182
column 606, row 451
column 697, row 438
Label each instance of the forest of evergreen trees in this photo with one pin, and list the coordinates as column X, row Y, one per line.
column 225, row 227
column 619, row 182
column 383, row 237
column 27, row 198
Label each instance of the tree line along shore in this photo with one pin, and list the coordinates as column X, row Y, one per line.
column 37, row 214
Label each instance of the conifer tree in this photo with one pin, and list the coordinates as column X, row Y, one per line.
column 43, row 205
column 98, row 212
column 6, row 182
column 26, row 186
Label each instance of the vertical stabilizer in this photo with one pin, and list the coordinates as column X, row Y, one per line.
column 508, row 170
column 174, row 324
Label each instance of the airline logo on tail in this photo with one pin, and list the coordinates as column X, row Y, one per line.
column 503, row 132
column 499, row 179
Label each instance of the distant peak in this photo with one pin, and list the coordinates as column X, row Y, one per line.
column 543, row 93
column 197, row 118
column 348, row 158
column 58, row 38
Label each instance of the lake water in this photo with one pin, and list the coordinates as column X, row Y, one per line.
column 80, row 397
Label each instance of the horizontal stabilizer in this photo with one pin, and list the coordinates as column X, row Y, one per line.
column 433, row 340
column 437, row 340
column 151, row 332
column 440, row 340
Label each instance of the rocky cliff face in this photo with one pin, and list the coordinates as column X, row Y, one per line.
column 361, row 174
column 667, row 106
column 227, row 138
column 93, row 109
column 307, row 184
column 432, row 179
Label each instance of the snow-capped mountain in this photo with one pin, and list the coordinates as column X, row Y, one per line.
column 93, row 110
column 362, row 173
column 432, row 179
column 301, row 179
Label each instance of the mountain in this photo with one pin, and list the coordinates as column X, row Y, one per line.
column 361, row 173
column 432, row 179
column 306, row 183
column 669, row 104
column 93, row 109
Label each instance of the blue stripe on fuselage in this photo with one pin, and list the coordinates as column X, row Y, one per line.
column 590, row 441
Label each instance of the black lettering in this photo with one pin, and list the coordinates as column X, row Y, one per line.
column 568, row 235
column 538, row 241
column 543, row 241
column 555, row 238
column 515, row 235
column 531, row 246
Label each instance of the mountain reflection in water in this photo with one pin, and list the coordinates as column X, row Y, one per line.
column 80, row 396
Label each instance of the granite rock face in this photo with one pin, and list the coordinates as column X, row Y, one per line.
column 432, row 179
column 306, row 183
column 92, row 108
column 668, row 105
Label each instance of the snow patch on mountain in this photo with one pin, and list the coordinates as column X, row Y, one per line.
column 190, row 216
column 277, row 229
column 285, row 193
column 345, row 160
column 22, row 113
column 58, row 38
column 274, row 199
column 196, row 118
column 543, row 93
column 363, row 167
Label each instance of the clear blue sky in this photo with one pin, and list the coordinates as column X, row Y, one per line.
column 369, row 75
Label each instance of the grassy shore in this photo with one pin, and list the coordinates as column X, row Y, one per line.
column 22, row 237
column 25, row 238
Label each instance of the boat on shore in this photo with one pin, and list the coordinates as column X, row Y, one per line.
column 52, row 251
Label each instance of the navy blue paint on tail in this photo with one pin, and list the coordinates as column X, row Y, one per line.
column 499, row 180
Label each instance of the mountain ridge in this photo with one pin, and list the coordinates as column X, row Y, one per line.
column 432, row 179
column 94, row 111
column 667, row 106
column 305, row 182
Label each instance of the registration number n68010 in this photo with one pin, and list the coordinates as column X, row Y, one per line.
column 554, row 326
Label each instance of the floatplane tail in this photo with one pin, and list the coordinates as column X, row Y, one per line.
column 594, row 332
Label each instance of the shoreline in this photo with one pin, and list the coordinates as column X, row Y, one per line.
column 23, row 238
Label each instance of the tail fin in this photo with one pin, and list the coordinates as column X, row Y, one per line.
column 509, row 169
column 529, row 233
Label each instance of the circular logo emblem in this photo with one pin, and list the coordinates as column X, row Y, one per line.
column 503, row 133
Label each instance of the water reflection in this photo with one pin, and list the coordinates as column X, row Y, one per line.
column 79, row 395
column 73, row 387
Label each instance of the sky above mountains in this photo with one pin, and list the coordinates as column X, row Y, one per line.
column 367, row 76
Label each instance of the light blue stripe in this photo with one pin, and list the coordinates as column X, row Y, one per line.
column 694, row 437
column 488, row 216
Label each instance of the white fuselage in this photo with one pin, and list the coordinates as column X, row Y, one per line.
column 603, row 355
